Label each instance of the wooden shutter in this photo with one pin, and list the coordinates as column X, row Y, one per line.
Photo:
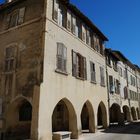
column 55, row 10
column 74, row 63
column 83, row 33
column 88, row 39
column 59, row 55
column 7, row 21
column 64, row 59
column 21, row 15
column 73, row 24
column 85, row 68
column 60, row 16
column 68, row 20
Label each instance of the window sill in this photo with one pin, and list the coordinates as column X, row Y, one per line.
column 103, row 85
column 80, row 78
column 109, row 65
column 61, row 72
column 93, row 82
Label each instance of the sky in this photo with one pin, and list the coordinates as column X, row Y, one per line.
column 119, row 20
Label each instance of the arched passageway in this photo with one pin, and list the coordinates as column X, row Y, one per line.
column 102, row 116
column 133, row 113
column 87, row 118
column 64, row 118
column 127, row 116
column 19, row 120
column 115, row 113
column 138, row 113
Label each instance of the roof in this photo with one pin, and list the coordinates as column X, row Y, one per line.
column 84, row 18
column 8, row 4
column 108, row 51
column 122, row 58
column 71, row 7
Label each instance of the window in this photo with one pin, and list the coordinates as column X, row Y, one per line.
column 55, row 10
column 120, row 71
column 102, row 76
column 92, row 71
column 73, row 24
column 97, row 47
column 69, row 20
column 61, row 57
column 117, row 86
column 83, row 33
column 78, row 28
column 88, row 37
column 92, row 40
column 125, row 74
column 101, row 47
column 10, row 59
column 78, row 65
column 125, row 92
column 108, row 61
column 15, row 18
column 115, row 65
column 111, row 84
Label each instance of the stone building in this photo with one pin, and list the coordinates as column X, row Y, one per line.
column 21, row 61
column 122, row 88
column 52, row 71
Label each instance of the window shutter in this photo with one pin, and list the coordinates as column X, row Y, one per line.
column 85, row 68
column 83, row 33
column 21, row 15
column 69, row 20
column 64, row 59
column 74, row 63
column 92, row 41
column 73, row 24
column 55, row 10
column 88, row 38
column 7, row 21
column 60, row 16
column 59, row 55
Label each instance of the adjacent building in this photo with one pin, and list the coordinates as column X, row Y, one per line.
column 122, row 88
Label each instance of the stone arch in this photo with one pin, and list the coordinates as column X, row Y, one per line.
column 133, row 113
column 102, row 115
column 64, row 118
column 19, row 118
column 126, row 111
column 138, row 112
column 115, row 113
column 88, row 118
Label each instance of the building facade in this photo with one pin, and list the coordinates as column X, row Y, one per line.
column 122, row 88
column 55, row 75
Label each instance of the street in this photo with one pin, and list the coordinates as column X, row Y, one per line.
column 128, row 132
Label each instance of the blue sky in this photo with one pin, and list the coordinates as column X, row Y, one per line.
column 119, row 20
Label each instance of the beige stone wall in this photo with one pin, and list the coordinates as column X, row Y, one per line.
column 57, row 86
